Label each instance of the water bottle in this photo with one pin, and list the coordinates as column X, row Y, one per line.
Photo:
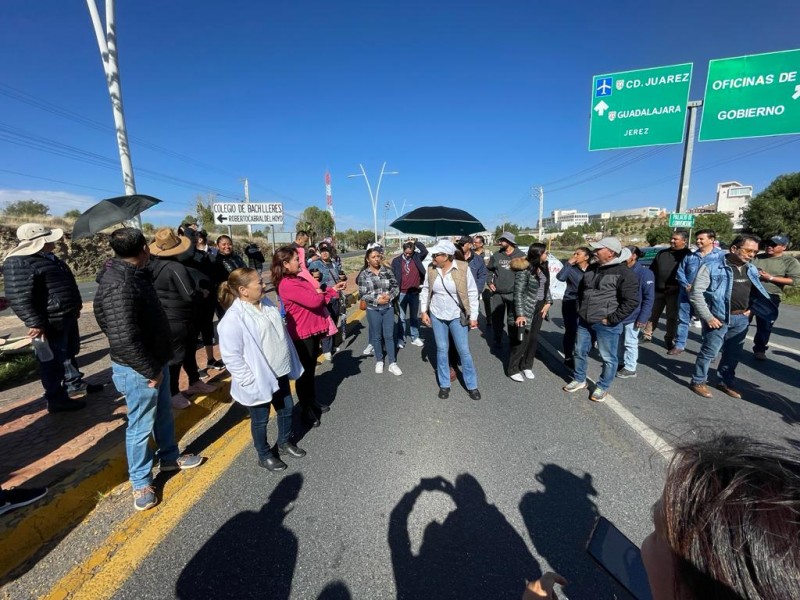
column 42, row 349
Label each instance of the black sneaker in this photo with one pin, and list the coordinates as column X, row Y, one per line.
column 444, row 393
column 626, row 374
column 19, row 497
column 474, row 394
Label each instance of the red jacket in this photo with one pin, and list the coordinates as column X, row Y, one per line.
column 306, row 314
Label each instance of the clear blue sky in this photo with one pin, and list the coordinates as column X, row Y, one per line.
column 472, row 102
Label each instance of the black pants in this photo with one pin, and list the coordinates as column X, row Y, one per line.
column 502, row 307
column 523, row 351
column 184, row 342
column 307, row 352
column 569, row 312
column 205, row 320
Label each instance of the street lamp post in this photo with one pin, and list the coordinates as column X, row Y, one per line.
column 374, row 199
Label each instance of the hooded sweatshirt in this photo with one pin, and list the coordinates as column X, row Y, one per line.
column 500, row 271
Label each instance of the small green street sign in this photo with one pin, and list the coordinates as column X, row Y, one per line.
column 646, row 107
column 681, row 220
column 752, row 96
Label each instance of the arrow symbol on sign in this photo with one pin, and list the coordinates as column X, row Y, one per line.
column 221, row 219
column 601, row 107
column 796, row 94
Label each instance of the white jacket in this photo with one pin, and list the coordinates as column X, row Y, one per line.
column 253, row 380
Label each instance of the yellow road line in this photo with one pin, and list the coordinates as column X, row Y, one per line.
column 104, row 572
column 108, row 567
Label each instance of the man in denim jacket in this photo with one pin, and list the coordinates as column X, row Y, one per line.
column 725, row 292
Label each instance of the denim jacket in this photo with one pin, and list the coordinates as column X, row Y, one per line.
column 711, row 292
column 690, row 264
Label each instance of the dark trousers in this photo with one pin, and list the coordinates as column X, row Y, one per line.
column 184, row 340
column 65, row 343
column 330, row 340
column 523, row 352
column 666, row 299
column 569, row 312
column 259, row 415
column 307, row 352
column 502, row 306
column 205, row 320
column 764, row 328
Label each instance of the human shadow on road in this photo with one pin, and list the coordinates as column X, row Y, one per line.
column 253, row 555
column 336, row 590
column 474, row 553
column 559, row 520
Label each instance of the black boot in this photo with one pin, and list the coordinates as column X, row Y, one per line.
column 292, row 450
column 272, row 463
column 323, row 408
column 311, row 417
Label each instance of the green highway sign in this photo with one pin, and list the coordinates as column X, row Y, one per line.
column 639, row 108
column 752, row 96
column 681, row 220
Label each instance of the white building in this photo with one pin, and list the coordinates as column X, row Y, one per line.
column 732, row 199
column 645, row 212
column 564, row 219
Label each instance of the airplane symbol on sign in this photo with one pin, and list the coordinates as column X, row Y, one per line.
column 603, row 87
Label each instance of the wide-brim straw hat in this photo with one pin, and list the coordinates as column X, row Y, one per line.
column 167, row 243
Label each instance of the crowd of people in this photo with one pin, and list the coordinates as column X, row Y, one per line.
column 156, row 302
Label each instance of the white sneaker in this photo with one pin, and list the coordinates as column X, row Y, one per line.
column 368, row 350
column 379, row 367
column 517, row 377
column 394, row 369
column 401, row 345
column 326, row 356
column 417, row 342
column 528, row 373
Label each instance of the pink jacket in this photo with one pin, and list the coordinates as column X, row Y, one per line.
column 306, row 314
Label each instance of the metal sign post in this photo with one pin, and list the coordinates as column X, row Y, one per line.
column 688, row 152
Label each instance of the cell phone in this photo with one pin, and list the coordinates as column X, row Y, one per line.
column 620, row 557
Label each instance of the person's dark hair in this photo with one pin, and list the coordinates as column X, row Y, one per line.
column 408, row 245
column 202, row 234
column 534, row 257
column 683, row 233
column 301, row 234
column 278, row 271
column 127, row 242
column 745, row 237
column 229, row 290
column 366, row 256
column 636, row 251
column 224, row 236
column 586, row 250
column 709, row 232
column 730, row 512
column 481, row 238
column 459, row 255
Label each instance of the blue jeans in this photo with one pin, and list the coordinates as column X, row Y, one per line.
column 381, row 330
column 764, row 328
column 684, row 319
column 607, row 344
column 259, row 415
column 410, row 301
column 459, row 333
column 728, row 339
column 149, row 413
column 630, row 339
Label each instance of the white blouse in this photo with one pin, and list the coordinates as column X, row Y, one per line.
column 272, row 333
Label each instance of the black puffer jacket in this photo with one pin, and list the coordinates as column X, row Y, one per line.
column 608, row 292
column 41, row 291
column 129, row 313
column 175, row 288
column 224, row 265
column 526, row 288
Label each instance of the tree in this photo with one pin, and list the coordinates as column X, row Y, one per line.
column 776, row 209
column 204, row 207
column 317, row 222
column 26, row 208
column 509, row 227
column 658, row 235
column 570, row 239
column 148, row 228
column 72, row 214
column 719, row 222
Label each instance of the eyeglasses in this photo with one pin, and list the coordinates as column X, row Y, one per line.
column 437, row 254
column 747, row 251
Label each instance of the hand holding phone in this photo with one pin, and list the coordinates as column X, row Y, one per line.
column 620, row 557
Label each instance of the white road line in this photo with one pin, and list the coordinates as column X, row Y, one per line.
column 778, row 346
column 658, row 443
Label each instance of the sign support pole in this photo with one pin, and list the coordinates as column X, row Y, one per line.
column 688, row 152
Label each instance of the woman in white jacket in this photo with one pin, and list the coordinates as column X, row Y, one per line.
column 261, row 359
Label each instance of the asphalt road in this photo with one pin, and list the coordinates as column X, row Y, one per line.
column 403, row 495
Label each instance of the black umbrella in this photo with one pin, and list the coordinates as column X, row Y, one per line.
column 110, row 212
column 436, row 221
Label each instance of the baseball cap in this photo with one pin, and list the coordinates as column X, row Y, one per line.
column 509, row 237
column 780, row 240
column 611, row 243
column 443, row 247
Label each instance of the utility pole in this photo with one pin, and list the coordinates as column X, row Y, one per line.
column 247, row 201
column 688, row 151
column 107, row 42
column 540, row 191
